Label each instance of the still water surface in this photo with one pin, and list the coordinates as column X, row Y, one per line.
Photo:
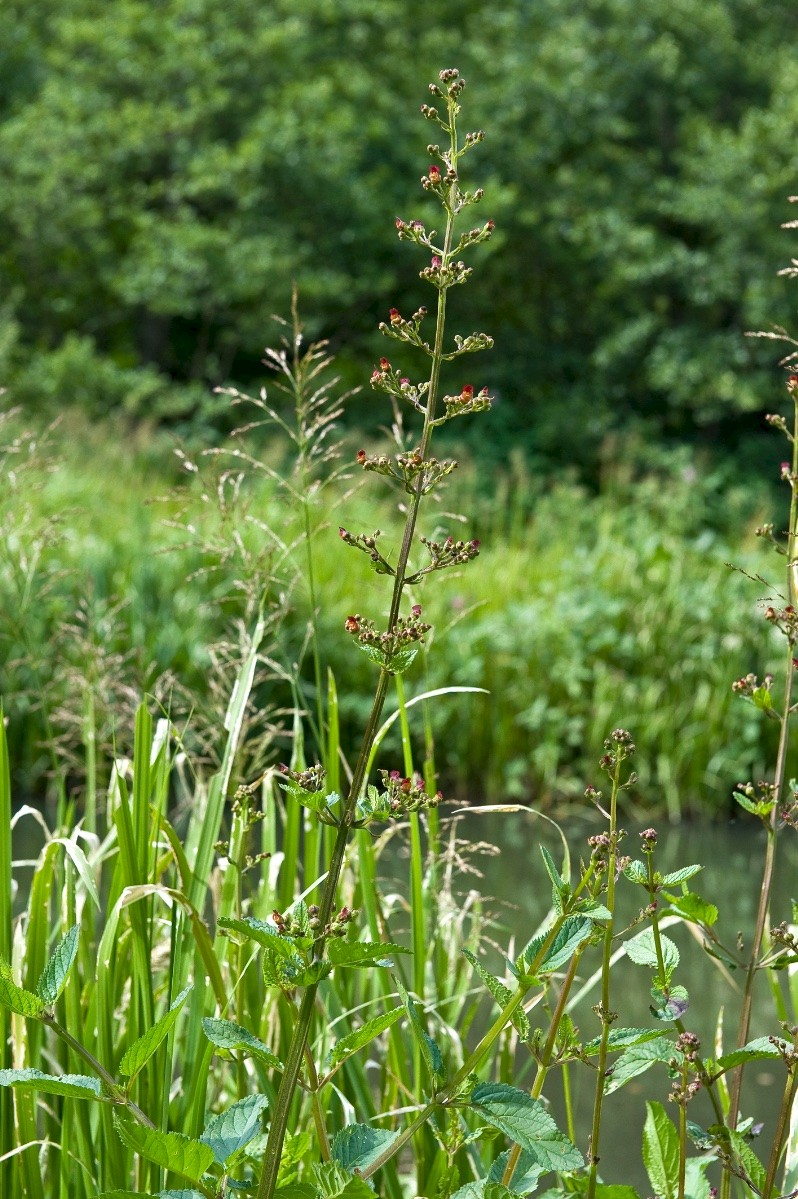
column 732, row 856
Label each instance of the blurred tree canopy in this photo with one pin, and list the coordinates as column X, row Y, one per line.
column 170, row 169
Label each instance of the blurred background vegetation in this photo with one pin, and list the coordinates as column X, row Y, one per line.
column 170, row 171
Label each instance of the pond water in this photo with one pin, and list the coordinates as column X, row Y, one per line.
column 732, row 856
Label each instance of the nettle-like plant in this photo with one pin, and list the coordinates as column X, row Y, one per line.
column 232, row 1061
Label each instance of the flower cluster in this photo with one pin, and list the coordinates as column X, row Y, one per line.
column 311, row 780
column 467, row 402
column 785, row 620
column 444, row 274
column 368, row 544
column 401, row 328
column 750, row 684
column 406, row 794
column 410, row 469
column 406, row 631
column 446, row 553
column 619, row 746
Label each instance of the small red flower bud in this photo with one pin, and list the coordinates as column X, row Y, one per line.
column 416, row 609
column 395, row 317
column 351, row 625
column 434, row 174
column 342, row 531
column 467, row 393
column 394, row 775
column 436, row 262
column 361, row 457
column 490, row 226
column 384, row 363
column 399, row 223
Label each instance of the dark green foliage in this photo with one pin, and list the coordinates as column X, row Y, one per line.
column 170, row 169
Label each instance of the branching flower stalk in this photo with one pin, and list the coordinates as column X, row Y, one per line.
column 619, row 747
column 443, row 272
column 786, row 621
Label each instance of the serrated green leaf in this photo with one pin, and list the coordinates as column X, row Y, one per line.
column 748, row 1159
column 346, row 1046
column 336, row 1183
column 55, row 973
column 574, row 931
column 642, row 951
column 692, row 907
column 661, row 1151
column 485, row 1188
column 557, row 880
column 142, row 1050
column 526, row 1121
column 429, row 1048
column 80, row 1086
column 296, row 1190
column 224, row 1034
column 680, row 876
column 357, row 1145
column 761, row 1047
column 501, row 993
column 362, row 953
column 594, row 910
column 636, row 872
column 525, row 1175
column 234, row 1128
column 23, row 1002
column 258, row 930
column 622, row 1038
column 670, row 1006
column 639, row 1058
column 171, row 1150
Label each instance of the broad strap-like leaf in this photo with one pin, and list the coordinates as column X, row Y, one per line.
column 142, row 1050
column 79, row 1086
column 234, row 1128
column 526, row 1121
column 661, row 1151
column 501, row 993
column 171, row 1150
column 55, row 973
column 227, row 1035
column 362, row 953
column 357, row 1145
column 353, row 1041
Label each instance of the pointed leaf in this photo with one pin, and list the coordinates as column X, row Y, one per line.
column 362, row 953
column 353, row 1041
column 80, row 1086
column 680, row 876
column 23, row 1002
column 761, row 1047
column 227, row 1035
column 55, row 973
column 748, row 1159
column 171, row 1150
column 526, row 1121
column 501, row 993
column 622, row 1038
column 642, row 950
column 357, row 1145
column 638, row 1059
column 525, row 1175
column 693, row 907
column 265, row 934
column 636, row 872
column 142, row 1050
column 231, row 1130
column 429, row 1049
column 661, row 1151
